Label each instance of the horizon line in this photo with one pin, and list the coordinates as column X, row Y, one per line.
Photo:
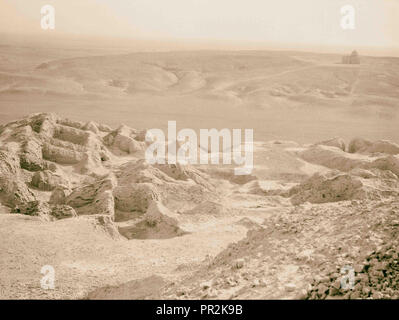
column 199, row 44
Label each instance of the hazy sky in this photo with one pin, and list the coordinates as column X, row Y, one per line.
column 314, row 22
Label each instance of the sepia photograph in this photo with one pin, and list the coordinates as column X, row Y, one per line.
column 223, row 150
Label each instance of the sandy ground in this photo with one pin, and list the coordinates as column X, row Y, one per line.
column 85, row 258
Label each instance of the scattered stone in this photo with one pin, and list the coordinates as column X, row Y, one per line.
column 376, row 278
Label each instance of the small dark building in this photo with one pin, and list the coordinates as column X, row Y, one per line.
column 353, row 58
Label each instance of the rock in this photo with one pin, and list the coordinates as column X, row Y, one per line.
column 334, row 158
column 390, row 163
column 358, row 268
column 122, row 139
column 334, row 291
column 106, row 222
column 335, row 142
column 366, row 291
column 31, row 158
column 358, row 144
column 71, row 123
column 140, row 136
column 139, row 177
column 380, row 266
column 104, row 128
column 70, row 134
column 13, row 189
column 62, row 212
column 213, row 293
column 363, row 277
column 47, row 181
column 34, row 208
column 43, row 123
column 184, row 172
column 91, row 126
column 135, row 197
column 322, row 288
column 96, row 198
column 305, row 255
column 355, row 295
column 142, row 172
column 205, row 285
column 59, row 195
column 157, row 223
column 363, row 173
column 157, row 214
column 377, row 295
column 367, row 147
column 330, row 187
column 91, row 164
column 256, row 283
column 61, row 155
column 302, row 295
column 375, row 278
column 290, row 287
column 270, row 188
column 45, row 211
column 336, row 284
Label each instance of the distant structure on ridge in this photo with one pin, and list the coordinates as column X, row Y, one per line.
column 353, row 58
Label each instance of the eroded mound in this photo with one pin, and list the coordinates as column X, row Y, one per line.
column 337, row 186
column 157, row 223
column 56, row 168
